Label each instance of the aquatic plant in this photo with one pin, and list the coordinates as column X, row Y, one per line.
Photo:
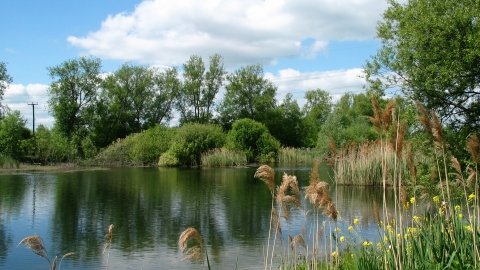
column 35, row 242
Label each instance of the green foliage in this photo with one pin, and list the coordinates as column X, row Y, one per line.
column 247, row 95
column 117, row 153
column 196, row 99
column 253, row 139
column 52, row 146
column 5, row 79
column 12, row 133
column 430, row 50
column 150, row 144
column 190, row 141
column 298, row 155
column 73, row 93
column 223, row 157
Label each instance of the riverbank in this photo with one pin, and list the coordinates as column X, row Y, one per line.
column 23, row 168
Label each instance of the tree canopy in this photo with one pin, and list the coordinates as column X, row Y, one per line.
column 5, row 80
column 431, row 52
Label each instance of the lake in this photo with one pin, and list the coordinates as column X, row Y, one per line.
column 150, row 208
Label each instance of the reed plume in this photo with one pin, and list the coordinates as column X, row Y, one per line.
column 288, row 192
column 267, row 175
column 297, row 240
column 423, row 117
column 376, row 120
column 196, row 251
column 387, row 113
column 437, row 129
column 35, row 243
column 473, row 147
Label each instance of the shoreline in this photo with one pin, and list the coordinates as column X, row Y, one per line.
column 31, row 168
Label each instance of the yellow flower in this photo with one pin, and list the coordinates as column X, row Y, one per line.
column 390, row 228
column 379, row 245
column 412, row 200
column 460, row 216
column 355, row 221
column 351, row 255
column 367, row 244
column 457, row 208
column 334, row 254
column 337, row 230
column 407, row 205
column 393, row 222
column 468, row 227
column 342, row 238
column 471, row 197
column 350, row 228
column 436, row 199
column 416, row 218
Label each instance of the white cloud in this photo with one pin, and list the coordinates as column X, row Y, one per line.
column 165, row 32
column 18, row 96
column 337, row 82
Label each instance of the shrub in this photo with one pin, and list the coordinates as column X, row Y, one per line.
column 253, row 139
column 190, row 141
column 150, row 144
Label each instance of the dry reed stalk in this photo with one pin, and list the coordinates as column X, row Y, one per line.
column 195, row 252
column 275, row 222
column 376, row 211
column 376, row 118
column 297, row 240
column 411, row 165
column 403, row 196
column 473, row 147
column 472, row 176
column 267, row 175
column 423, row 117
column 387, row 113
column 35, row 243
column 437, row 129
column 54, row 264
column 321, row 230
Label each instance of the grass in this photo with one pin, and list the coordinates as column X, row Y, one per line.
column 297, row 155
column 222, row 157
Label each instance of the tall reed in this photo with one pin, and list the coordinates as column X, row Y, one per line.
column 297, row 155
column 221, row 157
column 35, row 243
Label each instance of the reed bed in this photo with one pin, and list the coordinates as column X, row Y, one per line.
column 35, row 243
column 221, row 157
column 298, row 155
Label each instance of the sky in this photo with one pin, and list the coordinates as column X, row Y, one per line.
column 302, row 44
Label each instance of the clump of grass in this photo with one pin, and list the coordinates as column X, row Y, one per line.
column 35, row 243
column 223, row 157
column 297, row 155
column 8, row 162
column 195, row 251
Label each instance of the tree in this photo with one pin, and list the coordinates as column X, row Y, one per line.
column 196, row 98
column 286, row 123
column 5, row 81
column 73, row 93
column 431, row 50
column 319, row 104
column 248, row 95
column 12, row 132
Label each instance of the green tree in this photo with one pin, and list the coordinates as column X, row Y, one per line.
column 196, row 97
column 431, row 50
column 248, row 95
column 316, row 110
column 73, row 94
column 253, row 139
column 12, row 133
column 286, row 123
column 5, row 81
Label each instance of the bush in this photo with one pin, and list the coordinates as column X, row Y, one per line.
column 253, row 139
column 51, row 146
column 190, row 141
column 12, row 132
column 150, row 144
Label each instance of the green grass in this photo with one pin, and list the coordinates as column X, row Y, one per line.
column 222, row 157
column 298, row 155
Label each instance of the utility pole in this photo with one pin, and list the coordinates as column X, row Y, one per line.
column 33, row 108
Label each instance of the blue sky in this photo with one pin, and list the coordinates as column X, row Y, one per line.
column 302, row 44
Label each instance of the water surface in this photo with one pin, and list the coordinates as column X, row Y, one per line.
column 150, row 208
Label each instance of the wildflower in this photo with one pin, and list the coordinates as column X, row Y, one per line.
column 351, row 255
column 393, row 222
column 355, row 221
column 412, row 200
column 436, row 199
column 350, row 228
column 412, row 230
column 460, row 216
column 342, row 238
column 457, row 208
column 379, row 245
column 334, row 254
column 468, row 227
column 407, row 205
column 471, row 197
column 367, row 243
column 416, row 218
column 390, row 228
column 337, row 230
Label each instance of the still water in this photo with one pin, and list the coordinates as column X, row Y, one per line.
column 150, row 208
